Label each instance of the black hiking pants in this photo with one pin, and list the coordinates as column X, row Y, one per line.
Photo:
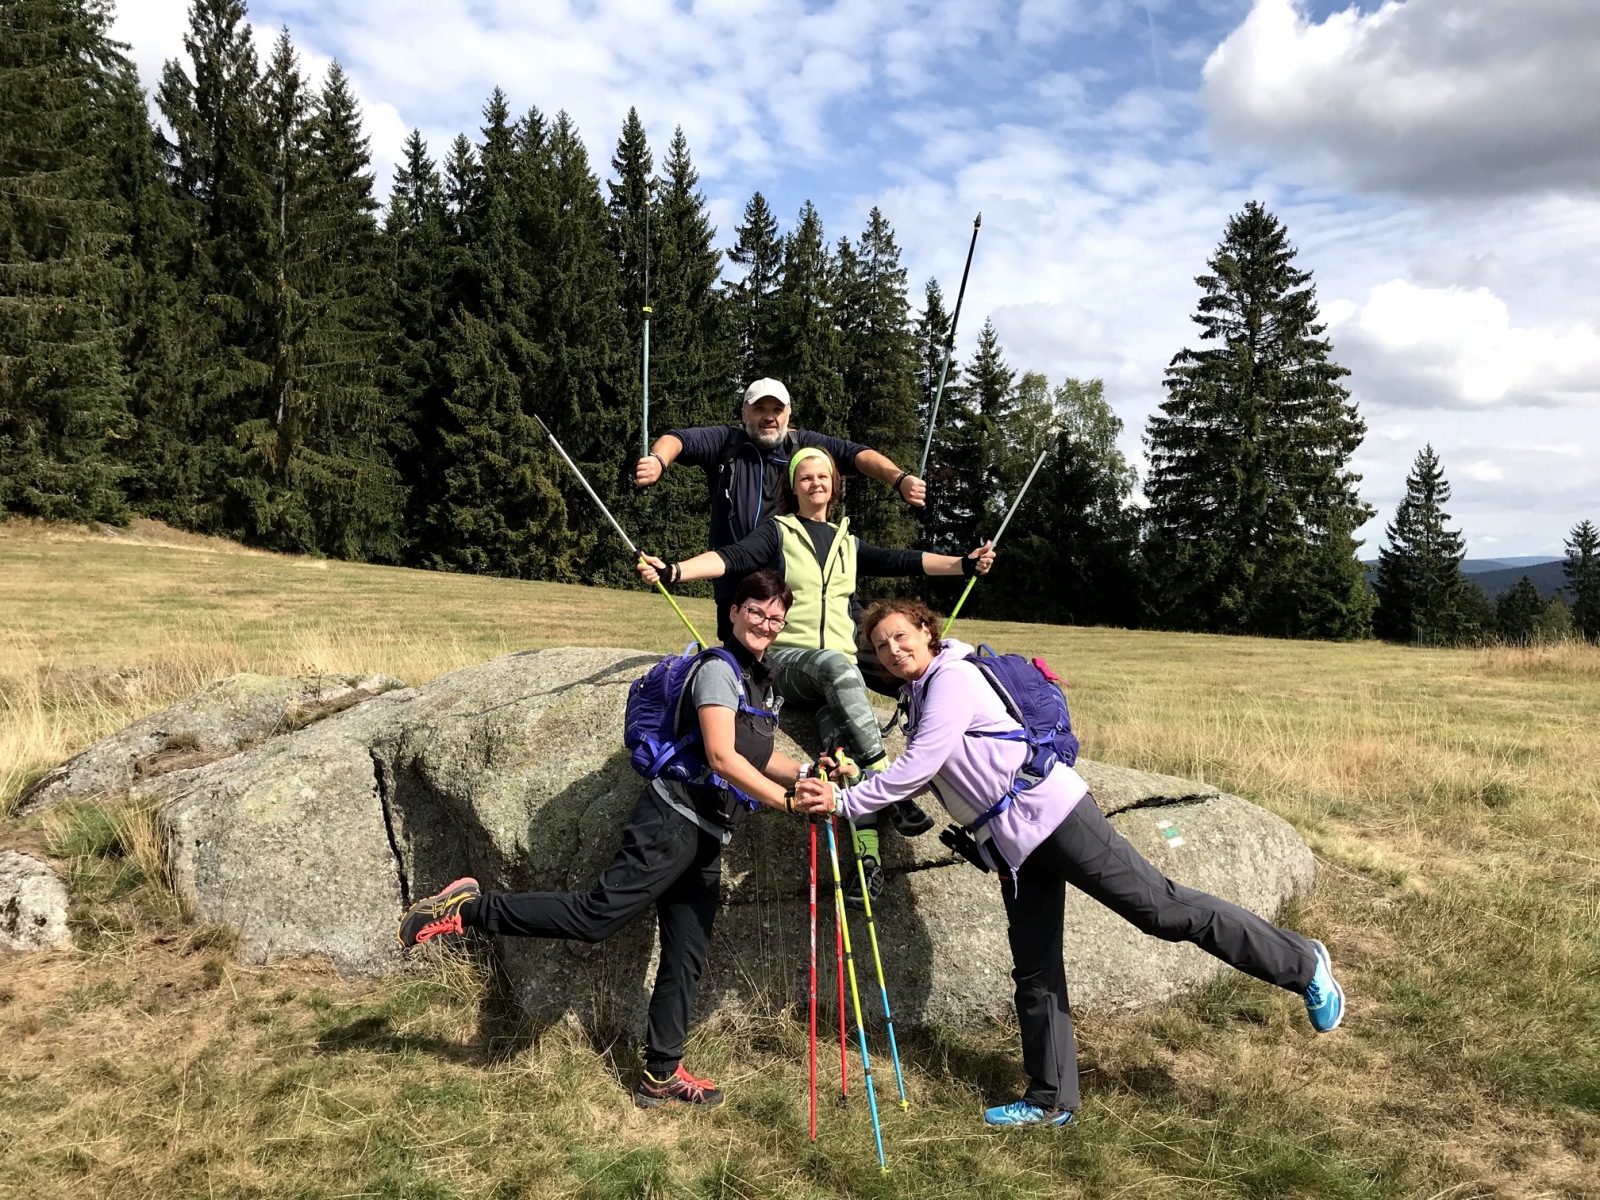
column 665, row 860
column 1085, row 851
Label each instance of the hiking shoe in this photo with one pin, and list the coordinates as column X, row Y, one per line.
column 1020, row 1112
column 438, row 914
column 678, row 1088
column 1324, row 998
column 852, row 885
column 908, row 818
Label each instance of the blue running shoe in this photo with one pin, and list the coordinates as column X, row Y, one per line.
column 1324, row 998
column 1020, row 1112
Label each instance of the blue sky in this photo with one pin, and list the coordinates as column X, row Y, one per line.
column 1437, row 162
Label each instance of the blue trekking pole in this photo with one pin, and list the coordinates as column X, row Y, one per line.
column 883, row 988
column 644, row 429
column 855, row 993
column 949, row 347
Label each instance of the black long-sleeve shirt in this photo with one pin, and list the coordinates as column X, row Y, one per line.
column 763, row 548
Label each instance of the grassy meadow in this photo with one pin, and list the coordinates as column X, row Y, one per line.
column 1452, row 799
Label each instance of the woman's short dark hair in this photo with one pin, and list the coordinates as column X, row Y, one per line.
column 762, row 586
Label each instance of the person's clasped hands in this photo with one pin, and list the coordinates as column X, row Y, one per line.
column 816, row 797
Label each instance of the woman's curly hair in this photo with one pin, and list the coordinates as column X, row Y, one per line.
column 915, row 611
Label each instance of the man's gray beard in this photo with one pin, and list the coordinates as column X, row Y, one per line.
column 767, row 441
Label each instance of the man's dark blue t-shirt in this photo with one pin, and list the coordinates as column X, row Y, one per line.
column 747, row 484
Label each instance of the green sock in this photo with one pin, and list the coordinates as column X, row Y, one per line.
column 867, row 843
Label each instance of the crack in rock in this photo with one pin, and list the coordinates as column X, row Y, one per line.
column 383, row 784
column 1164, row 802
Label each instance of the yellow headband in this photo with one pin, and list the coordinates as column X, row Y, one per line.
column 801, row 455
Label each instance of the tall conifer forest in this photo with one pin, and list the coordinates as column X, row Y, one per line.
column 209, row 316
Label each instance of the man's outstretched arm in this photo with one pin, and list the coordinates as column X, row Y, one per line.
column 882, row 468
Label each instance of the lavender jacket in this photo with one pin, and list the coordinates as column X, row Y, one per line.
column 969, row 775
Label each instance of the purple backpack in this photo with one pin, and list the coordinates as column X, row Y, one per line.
column 1032, row 694
column 650, row 725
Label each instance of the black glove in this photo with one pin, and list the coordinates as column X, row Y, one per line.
column 960, row 841
column 969, row 564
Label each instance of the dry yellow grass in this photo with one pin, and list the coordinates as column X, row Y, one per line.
column 1451, row 796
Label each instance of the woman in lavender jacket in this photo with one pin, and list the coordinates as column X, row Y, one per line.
column 1051, row 835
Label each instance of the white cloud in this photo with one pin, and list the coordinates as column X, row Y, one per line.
column 1484, row 471
column 1418, row 347
column 1426, row 96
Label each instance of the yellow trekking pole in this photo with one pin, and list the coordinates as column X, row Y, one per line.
column 855, row 993
column 600, row 504
column 849, row 768
column 994, row 542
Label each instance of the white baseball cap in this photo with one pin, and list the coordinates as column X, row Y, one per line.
column 767, row 387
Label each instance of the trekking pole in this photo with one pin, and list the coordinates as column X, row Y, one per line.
column 949, row 348
column 812, row 822
column 995, row 541
column 883, row 988
column 844, row 1060
column 644, row 429
column 600, row 504
column 855, row 992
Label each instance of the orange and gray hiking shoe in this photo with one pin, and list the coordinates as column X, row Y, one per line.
column 437, row 914
column 678, row 1088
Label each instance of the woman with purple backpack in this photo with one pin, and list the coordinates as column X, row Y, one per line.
column 1039, row 836
column 671, row 852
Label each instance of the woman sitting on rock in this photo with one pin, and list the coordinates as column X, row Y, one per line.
column 1039, row 839
column 671, row 854
column 815, row 655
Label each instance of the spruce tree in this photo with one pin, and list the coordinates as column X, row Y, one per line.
column 158, row 449
column 579, row 324
column 1517, row 612
column 805, row 351
column 1070, row 553
column 347, row 472
column 690, row 348
column 697, row 366
column 878, row 352
column 1582, row 571
column 631, row 197
column 64, row 272
column 491, row 501
column 273, row 406
column 1252, row 502
column 758, row 249
column 1422, row 595
column 933, row 327
column 987, row 471
column 416, row 267
column 212, row 154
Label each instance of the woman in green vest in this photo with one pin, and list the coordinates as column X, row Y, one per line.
column 814, row 656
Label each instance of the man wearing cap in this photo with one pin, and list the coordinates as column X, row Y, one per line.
column 746, row 467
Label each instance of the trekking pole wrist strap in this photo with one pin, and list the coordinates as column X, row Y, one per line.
column 904, row 475
column 969, row 565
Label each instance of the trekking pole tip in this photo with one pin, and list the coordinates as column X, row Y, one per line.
column 977, row 220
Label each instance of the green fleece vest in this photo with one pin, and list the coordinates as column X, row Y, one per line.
column 819, row 618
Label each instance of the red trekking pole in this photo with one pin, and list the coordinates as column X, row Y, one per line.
column 813, row 895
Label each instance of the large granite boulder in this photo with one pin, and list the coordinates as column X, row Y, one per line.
column 33, row 905
column 217, row 721
column 312, row 841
